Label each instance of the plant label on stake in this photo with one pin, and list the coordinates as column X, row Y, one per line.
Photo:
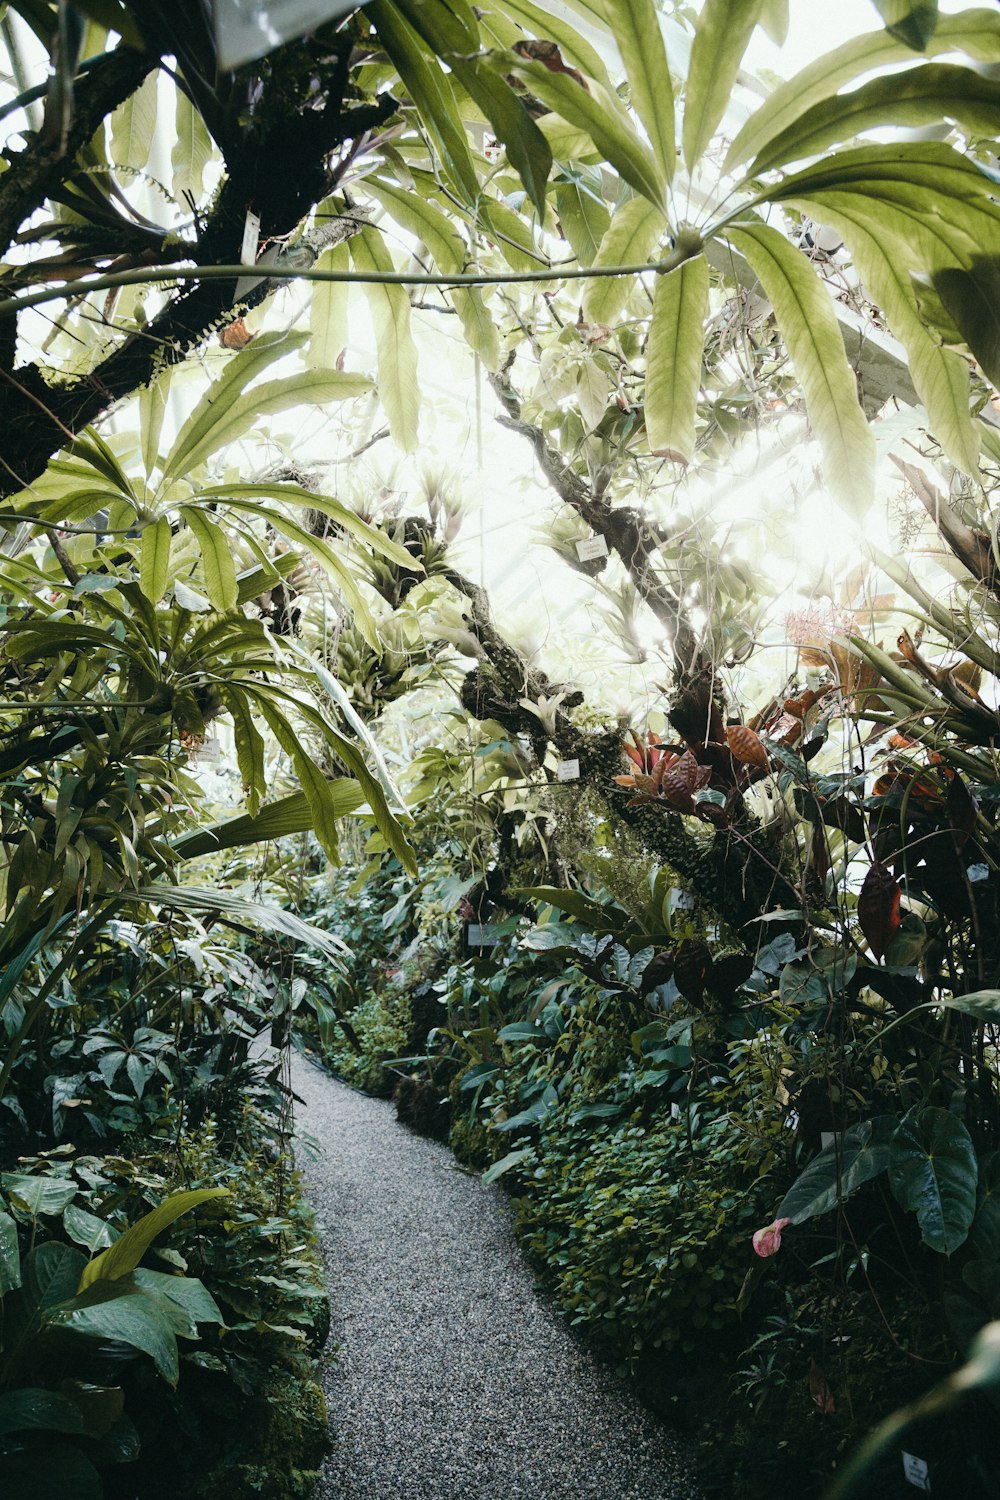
column 248, row 252
column 591, row 547
column 917, row 1472
column 568, row 770
column 245, row 29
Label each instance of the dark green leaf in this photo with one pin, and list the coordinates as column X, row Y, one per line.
column 971, row 297
column 909, row 21
column 933, row 1172
column 839, row 1170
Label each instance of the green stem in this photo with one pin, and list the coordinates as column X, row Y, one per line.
column 84, row 285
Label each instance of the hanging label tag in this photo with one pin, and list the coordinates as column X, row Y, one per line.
column 917, row 1472
column 248, row 252
column 245, row 29
column 568, row 770
column 591, row 548
column 827, row 1138
column 681, row 900
column 481, row 935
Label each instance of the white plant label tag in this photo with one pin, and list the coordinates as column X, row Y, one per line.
column 827, row 1138
column 917, row 1472
column 245, row 29
column 482, row 935
column 591, row 547
column 568, row 770
column 681, row 900
column 248, row 252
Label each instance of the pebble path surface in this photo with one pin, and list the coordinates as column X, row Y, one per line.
column 449, row 1378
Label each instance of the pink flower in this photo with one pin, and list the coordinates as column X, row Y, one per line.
column 768, row 1241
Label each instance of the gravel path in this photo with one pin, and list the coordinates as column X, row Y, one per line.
column 450, row 1379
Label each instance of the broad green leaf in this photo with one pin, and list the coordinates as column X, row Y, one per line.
column 132, row 125
column 314, row 783
column 673, row 358
column 975, row 32
column 721, row 35
column 218, row 567
column 939, row 203
column 583, row 216
column 808, row 324
column 447, row 248
column 154, row 559
column 941, row 376
column 839, row 1170
column 152, row 406
column 635, row 25
column 328, row 310
column 600, row 114
column 10, row 1260
column 287, row 815
column 240, row 369
column 354, row 722
column 432, row 93
column 634, row 230
column 512, row 1159
column 451, row 30
column 118, row 1309
column 346, row 518
column 548, row 27
column 191, row 151
column 88, row 1230
column 774, row 19
column 398, row 383
column 310, row 387
column 38, row 1195
column 933, row 1172
column 511, row 234
column 323, row 552
column 234, row 910
column 969, row 295
column 909, row 21
column 249, row 745
column 29, row 1408
column 127, row 1251
column 984, row 1005
column 190, row 1298
column 923, row 95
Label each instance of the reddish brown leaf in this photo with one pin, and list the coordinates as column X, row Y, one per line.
column 235, row 335
column 878, row 908
column 746, row 747
column 820, row 1391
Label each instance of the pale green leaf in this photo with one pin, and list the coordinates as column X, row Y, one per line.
column 152, row 406
column 635, row 26
column 239, row 370
column 287, row 815
column 328, row 310
column 127, row 1251
column 313, row 782
column 398, row 382
column 249, row 745
column 432, row 93
column 154, row 559
column 975, row 32
column 673, row 358
column 583, row 215
column 218, row 567
column 346, row 518
column 191, row 151
column 720, row 40
column 919, row 96
column 808, row 324
column 634, row 230
column 598, row 112
column 132, row 125
column 310, row 387
column 941, row 376
column 546, row 26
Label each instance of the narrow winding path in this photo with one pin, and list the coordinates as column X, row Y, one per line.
column 449, row 1378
